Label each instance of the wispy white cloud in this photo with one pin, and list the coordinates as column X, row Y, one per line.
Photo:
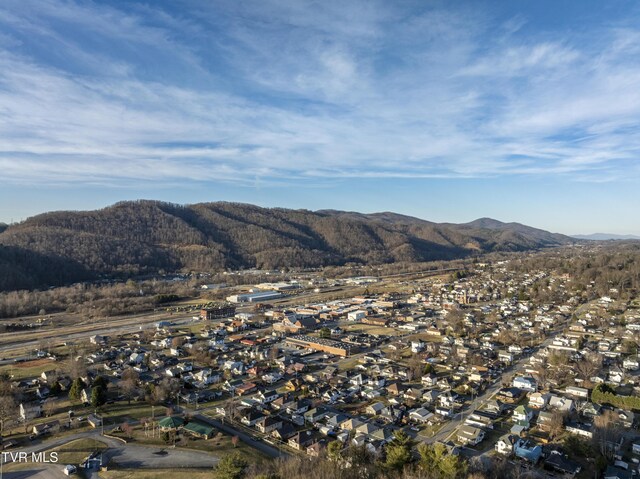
column 305, row 91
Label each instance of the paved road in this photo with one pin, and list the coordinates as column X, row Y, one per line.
column 449, row 428
column 244, row 437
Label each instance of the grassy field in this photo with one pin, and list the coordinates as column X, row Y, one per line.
column 426, row 337
column 28, row 369
column 155, row 473
column 77, row 451
column 348, row 364
column 115, row 414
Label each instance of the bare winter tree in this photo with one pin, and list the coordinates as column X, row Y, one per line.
column 607, row 435
column 455, row 318
column 75, row 366
column 542, row 373
column 8, row 410
column 50, row 407
column 129, row 384
column 415, row 367
column 556, row 424
column 588, row 366
column 231, row 409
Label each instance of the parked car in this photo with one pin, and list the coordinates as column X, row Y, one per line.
column 69, row 469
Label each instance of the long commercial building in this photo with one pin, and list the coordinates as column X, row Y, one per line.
column 254, row 297
column 326, row 345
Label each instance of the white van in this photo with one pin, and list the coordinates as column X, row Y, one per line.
column 69, row 469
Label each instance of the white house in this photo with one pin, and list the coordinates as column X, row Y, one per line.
column 470, row 435
column 206, row 376
column 421, row 414
column 446, row 400
column 506, row 444
column 136, row 358
column 522, row 414
column 580, row 429
column 477, row 419
column 577, row 392
column 417, row 346
column 266, row 397
column 561, row 404
column 538, row 400
column 444, row 412
column 505, row 356
column 525, row 382
column 272, row 377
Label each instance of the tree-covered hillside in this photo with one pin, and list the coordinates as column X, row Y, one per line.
column 140, row 237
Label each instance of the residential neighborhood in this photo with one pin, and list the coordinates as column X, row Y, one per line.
column 472, row 360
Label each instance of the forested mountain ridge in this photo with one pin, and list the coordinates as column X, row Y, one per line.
column 139, row 237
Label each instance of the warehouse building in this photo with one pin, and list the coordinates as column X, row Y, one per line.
column 254, row 297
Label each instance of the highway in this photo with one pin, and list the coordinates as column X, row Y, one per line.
column 111, row 327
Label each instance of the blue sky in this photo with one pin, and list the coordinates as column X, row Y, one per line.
column 523, row 111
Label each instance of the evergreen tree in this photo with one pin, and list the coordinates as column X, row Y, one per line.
column 98, row 397
column 76, row 389
column 231, row 466
column 100, row 381
column 398, row 452
column 435, row 461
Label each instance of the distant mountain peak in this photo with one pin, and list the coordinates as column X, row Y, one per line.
column 485, row 222
column 606, row 237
